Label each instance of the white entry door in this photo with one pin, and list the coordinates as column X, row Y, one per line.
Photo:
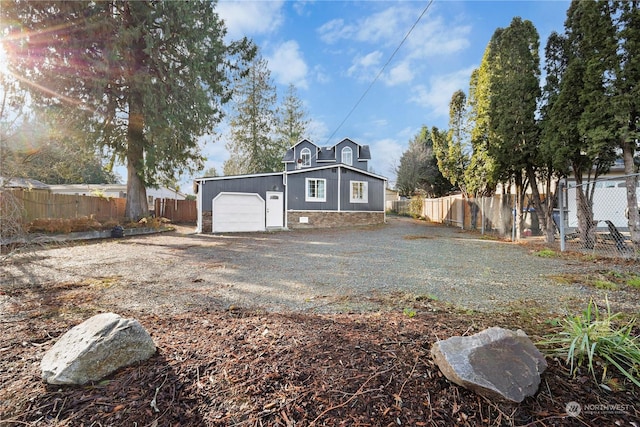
column 275, row 209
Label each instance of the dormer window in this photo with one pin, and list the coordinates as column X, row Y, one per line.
column 305, row 156
column 347, row 156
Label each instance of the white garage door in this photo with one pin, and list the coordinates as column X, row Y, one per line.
column 238, row 212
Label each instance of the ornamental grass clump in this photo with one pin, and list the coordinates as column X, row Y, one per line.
column 594, row 336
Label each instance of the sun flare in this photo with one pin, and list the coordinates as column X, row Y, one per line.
column 4, row 60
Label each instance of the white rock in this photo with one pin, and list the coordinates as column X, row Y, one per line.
column 95, row 348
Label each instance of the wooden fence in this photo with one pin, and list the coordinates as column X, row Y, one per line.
column 41, row 204
column 176, row 210
column 489, row 214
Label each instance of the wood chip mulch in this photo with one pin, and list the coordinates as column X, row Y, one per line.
column 244, row 367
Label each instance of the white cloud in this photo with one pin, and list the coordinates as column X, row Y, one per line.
column 321, row 75
column 300, row 7
column 288, row 66
column 213, row 148
column 371, row 59
column 387, row 153
column 437, row 95
column 317, row 131
column 401, row 73
column 388, row 26
column 380, row 123
column 436, row 37
column 248, row 18
column 335, row 30
column 365, row 67
column 431, row 35
column 385, row 29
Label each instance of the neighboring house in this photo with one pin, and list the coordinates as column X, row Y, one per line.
column 390, row 197
column 24, row 183
column 115, row 190
column 320, row 187
column 609, row 198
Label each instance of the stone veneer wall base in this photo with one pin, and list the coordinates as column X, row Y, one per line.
column 317, row 219
column 330, row 219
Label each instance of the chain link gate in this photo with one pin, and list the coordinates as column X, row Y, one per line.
column 593, row 217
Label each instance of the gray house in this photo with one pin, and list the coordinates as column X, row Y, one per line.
column 320, row 187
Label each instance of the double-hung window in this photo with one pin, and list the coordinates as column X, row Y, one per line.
column 359, row 192
column 315, row 190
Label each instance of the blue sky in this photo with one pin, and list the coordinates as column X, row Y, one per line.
column 332, row 51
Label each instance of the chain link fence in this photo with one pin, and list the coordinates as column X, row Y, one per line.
column 592, row 218
column 601, row 230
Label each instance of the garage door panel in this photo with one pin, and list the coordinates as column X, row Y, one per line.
column 238, row 212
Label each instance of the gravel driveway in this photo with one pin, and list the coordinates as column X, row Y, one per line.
column 335, row 270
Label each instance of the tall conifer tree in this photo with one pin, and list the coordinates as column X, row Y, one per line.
column 253, row 147
column 147, row 79
column 627, row 104
column 292, row 119
column 580, row 127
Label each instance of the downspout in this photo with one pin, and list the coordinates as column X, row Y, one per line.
column 339, row 181
column 384, row 203
column 199, row 205
column 285, row 181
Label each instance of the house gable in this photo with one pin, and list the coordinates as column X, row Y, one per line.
column 302, row 155
column 360, row 154
column 306, row 154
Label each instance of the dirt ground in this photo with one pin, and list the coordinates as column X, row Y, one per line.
column 246, row 366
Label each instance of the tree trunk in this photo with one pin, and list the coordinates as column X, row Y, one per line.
column 632, row 197
column 544, row 208
column 473, row 208
column 519, row 206
column 550, row 202
column 137, row 205
column 586, row 225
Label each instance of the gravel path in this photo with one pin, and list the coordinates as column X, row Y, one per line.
column 306, row 270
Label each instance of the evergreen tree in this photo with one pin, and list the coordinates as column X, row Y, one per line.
column 418, row 169
column 292, row 120
column 515, row 89
column 253, row 147
column 581, row 129
column 627, row 103
column 13, row 113
column 54, row 155
column 481, row 175
column 553, row 162
column 451, row 148
column 212, row 171
column 146, row 79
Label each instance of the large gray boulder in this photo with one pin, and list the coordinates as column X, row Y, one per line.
column 496, row 362
column 95, row 348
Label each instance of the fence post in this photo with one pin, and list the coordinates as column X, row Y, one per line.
column 514, row 218
column 561, row 188
column 482, row 216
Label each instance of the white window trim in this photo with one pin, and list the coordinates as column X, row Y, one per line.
column 307, row 162
column 307, row 182
column 365, row 192
column 344, row 151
